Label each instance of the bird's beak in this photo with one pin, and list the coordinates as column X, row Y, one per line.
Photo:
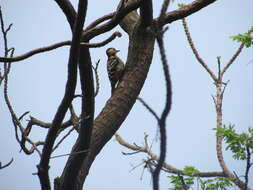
column 117, row 51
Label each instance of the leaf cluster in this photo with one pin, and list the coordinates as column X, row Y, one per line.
column 218, row 183
column 246, row 39
column 236, row 142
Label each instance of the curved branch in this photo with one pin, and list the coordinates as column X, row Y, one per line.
column 168, row 101
column 149, row 109
column 68, row 10
column 6, row 165
column 43, row 166
column 195, row 51
column 118, row 106
column 57, row 45
column 100, row 20
column 117, row 18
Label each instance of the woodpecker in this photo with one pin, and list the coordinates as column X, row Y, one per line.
column 115, row 67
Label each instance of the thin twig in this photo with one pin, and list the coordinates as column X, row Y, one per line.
column 73, row 153
column 63, row 138
column 95, row 69
column 148, row 108
column 6, row 165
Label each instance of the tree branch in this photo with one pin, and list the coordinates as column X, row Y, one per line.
column 57, row 45
column 146, row 13
column 118, row 106
column 43, row 166
column 166, row 167
column 117, row 18
column 68, row 10
column 232, row 59
column 195, row 51
column 6, row 165
column 162, row 121
column 187, row 10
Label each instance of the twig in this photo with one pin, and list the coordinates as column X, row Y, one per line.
column 149, row 108
column 6, row 165
column 73, row 153
column 95, row 69
column 63, row 138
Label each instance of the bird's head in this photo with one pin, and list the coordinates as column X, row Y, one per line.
column 111, row 51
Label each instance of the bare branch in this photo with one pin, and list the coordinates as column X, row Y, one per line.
column 95, row 69
column 166, row 167
column 63, row 138
column 162, row 121
column 187, row 10
column 6, row 165
column 118, row 16
column 232, row 59
column 100, row 20
column 149, row 108
column 43, row 166
column 248, row 165
column 68, row 10
column 195, row 52
column 57, row 45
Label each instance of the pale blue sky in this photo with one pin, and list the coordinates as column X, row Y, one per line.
column 37, row 85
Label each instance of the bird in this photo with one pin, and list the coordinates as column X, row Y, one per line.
column 115, row 67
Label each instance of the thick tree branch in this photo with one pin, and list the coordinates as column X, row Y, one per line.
column 146, row 13
column 68, row 10
column 118, row 106
column 68, row 179
column 43, row 166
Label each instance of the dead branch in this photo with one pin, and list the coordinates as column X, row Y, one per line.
column 166, row 167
